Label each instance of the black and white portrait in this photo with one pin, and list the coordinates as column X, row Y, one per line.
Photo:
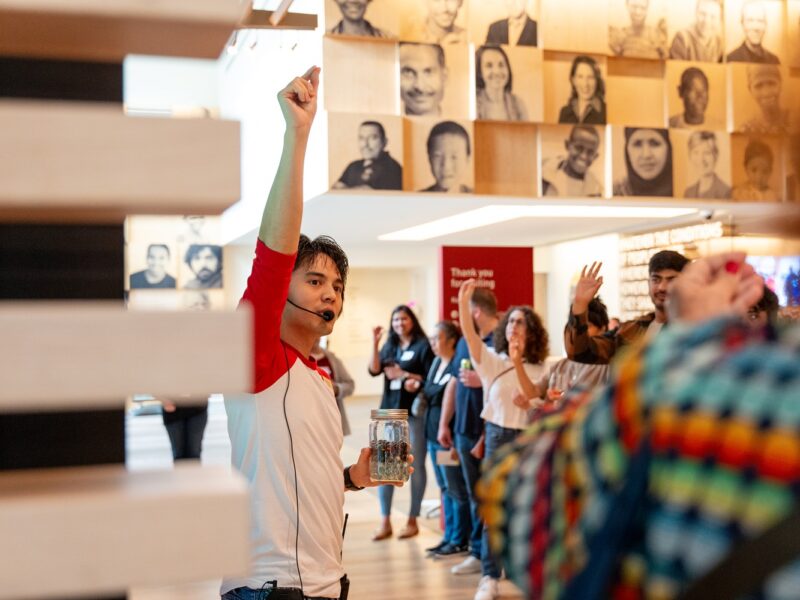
column 572, row 161
column 512, row 23
column 202, row 267
column 435, row 22
column 434, row 80
column 586, row 102
column 793, row 168
column 375, row 168
column 350, row 17
column 793, row 32
column 642, row 162
column 759, row 105
column 496, row 99
column 757, row 168
column 696, row 95
column 159, row 262
column 638, row 29
column 697, row 27
column 754, row 31
column 702, row 164
column 443, row 156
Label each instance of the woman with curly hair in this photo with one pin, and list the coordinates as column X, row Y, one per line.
column 509, row 375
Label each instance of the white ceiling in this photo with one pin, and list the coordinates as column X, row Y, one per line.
column 357, row 219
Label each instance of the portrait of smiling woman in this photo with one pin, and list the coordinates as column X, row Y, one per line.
column 587, row 101
column 648, row 163
column 493, row 82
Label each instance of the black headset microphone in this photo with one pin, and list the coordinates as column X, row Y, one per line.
column 325, row 315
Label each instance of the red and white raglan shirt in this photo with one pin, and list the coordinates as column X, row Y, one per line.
column 260, row 449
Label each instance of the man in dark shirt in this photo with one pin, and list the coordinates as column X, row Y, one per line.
column 377, row 170
column 664, row 268
column 754, row 24
column 517, row 30
column 464, row 397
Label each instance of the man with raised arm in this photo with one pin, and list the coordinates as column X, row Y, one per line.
column 287, row 434
column 663, row 268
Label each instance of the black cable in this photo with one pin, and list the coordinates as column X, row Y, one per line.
column 294, row 468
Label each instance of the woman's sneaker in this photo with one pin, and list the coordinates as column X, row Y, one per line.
column 469, row 566
column 487, row 589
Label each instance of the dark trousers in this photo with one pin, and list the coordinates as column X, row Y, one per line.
column 186, row 435
column 471, row 471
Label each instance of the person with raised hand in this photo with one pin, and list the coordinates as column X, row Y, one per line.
column 286, row 434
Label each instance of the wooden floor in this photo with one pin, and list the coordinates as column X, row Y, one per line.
column 388, row 570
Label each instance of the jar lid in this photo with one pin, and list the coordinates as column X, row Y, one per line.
column 389, row 413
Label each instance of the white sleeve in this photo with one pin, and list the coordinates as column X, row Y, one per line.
column 490, row 366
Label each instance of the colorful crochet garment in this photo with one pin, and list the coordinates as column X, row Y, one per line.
column 718, row 406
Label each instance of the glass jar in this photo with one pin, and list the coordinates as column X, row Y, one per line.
column 389, row 442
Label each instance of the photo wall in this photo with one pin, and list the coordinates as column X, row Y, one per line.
column 601, row 98
column 174, row 263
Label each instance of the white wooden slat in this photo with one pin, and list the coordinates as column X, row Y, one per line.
column 98, row 530
column 71, row 161
column 103, row 30
column 63, row 356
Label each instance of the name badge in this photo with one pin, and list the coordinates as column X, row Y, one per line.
column 407, row 355
column 395, row 384
column 444, row 379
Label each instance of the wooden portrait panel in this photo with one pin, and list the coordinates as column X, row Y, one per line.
column 558, row 106
column 346, row 89
column 505, row 22
column 524, row 101
column 651, row 163
column 201, row 266
column 696, row 30
column 573, row 161
column 580, row 26
column 793, row 33
column 365, row 151
column 696, row 89
column 702, row 164
column 638, row 29
column 449, row 167
column 434, row 80
column 792, row 171
column 761, row 98
column 635, row 93
column 152, row 265
column 378, row 19
column 761, row 21
column 757, row 168
column 159, row 300
column 506, row 158
column 434, row 21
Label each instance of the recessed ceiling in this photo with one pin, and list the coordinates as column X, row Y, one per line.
column 357, row 219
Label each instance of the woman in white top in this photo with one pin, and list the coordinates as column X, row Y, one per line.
column 509, row 375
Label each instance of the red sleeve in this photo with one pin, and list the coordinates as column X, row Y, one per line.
column 266, row 292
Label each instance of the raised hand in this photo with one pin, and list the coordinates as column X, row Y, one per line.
column 465, row 293
column 715, row 286
column 587, row 287
column 515, row 349
column 298, row 100
column 377, row 333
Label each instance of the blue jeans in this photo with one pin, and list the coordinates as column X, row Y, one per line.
column 419, row 478
column 470, row 473
column 496, row 436
column 455, row 501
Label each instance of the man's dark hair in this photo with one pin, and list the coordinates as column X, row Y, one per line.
column 444, row 128
column 194, row 249
column 485, row 300
column 417, row 332
column 308, row 250
column 537, row 341
column 598, row 313
column 686, row 79
column 377, row 126
column 164, row 246
column 667, row 259
column 436, row 47
column 769, row 304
